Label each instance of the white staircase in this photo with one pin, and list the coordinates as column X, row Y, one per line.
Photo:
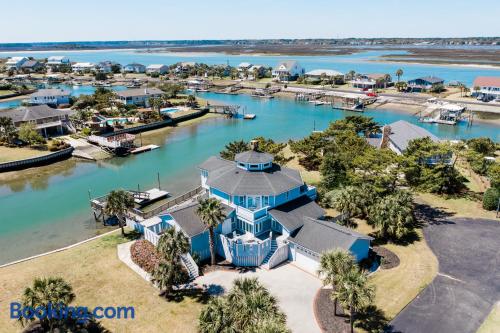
column 191, row 267
column 274, row 246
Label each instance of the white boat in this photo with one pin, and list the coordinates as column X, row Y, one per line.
column 249, row 116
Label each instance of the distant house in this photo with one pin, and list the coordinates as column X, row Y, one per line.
column 50, row 96
column 55, row 61
column 424, row 83
column 489, row 87
column 330, row 74
column 107, row 66
column 184, row 67
column 47, row 121
column 83, row 67
column 15, row 62
column 371, row 81
column 139, row 96
column 244, row 66
column 32, row 66
column 157, row 68
column 287, row 71
column 397, row 136
column 259, row 69
column 134, row 68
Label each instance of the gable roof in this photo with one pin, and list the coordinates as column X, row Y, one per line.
column 320, row 236
column 430, row 79
column 288, row 64
column 30, row 113
column 139, row 92
column 51, row 92
column 189, row 221
column 156, row 66
column 291, row 215
column 227, row 177
column 487, row 81
column 402, row 132
column 30, row 63
column 327, row 72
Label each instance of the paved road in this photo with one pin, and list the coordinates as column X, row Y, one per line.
column 467, row 285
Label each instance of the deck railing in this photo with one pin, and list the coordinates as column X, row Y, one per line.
column 151, row 236
column 171, row 203
column 244, row 253
column 251, row 215
column 280, row 255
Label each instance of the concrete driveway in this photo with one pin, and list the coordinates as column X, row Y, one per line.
column 468, row 283
column 294, row 289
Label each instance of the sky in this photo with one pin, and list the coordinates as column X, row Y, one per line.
column 89, row 20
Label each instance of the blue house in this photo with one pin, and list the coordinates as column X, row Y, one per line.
column 271, row 216
column 424, row 83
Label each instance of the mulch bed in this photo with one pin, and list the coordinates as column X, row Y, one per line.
column 388, row 258
column 324, row 311
column 222, row 265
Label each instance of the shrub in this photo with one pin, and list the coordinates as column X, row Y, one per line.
column 490, row 198
column 145, row 255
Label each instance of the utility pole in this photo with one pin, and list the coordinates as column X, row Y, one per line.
column 158, row 176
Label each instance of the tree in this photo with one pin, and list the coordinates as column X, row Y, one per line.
column 118, row 203
column 484, row 146
column 211, row 214
column 393, row 215
column 233, row 148
column 44, row 291
column 490, row 198
column 171, row 89
column 333, row 266
column 169, row 272
column 310, row 150
column 248, row 307
column 401, row 86
column 333, row 171
column 156, row 103
column 354, row 293
column 273, row 148
column 399, row 73
column 191, row 101
column 365, row 125
column 100, row 76
column 493, row 174
column 29, row 134
column 7, row 129
column 345, row 200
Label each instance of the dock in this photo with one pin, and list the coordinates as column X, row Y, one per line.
column 144, row 149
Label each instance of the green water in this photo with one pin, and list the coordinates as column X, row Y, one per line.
column 50, row 209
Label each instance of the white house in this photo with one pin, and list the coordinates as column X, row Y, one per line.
column 50, row 97
column 134, row 68
column 244, row 66
column 106, row 66
column 157, row 68
column 139, row 96
column 15, row 62
column 83, row 67
column 287, row 71
column 489, row 87
column 57, row 61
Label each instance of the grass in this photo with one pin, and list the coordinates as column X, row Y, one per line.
column 98, row 277
column 310, row 177
column 492, row 322
column 457, row 206
column 6, row 92
column 13, row 154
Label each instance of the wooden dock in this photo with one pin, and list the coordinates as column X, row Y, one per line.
column 144, row 149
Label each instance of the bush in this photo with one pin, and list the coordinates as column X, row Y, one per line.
column 490, row 199
column 145, row 255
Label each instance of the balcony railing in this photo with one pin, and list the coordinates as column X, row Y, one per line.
column 251, row 215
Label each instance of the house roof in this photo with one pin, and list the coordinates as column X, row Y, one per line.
column 245, row 65
column 252, row 156
column 291, row 215
column 51, row 92
column 328, row 72
column 139, row 92
column 402, row 132
column 83, row 64
column 57, row 58
column 430, row 79
column 320, row 236
column 135, row 64
column 30, row 113
column 487, row 81
column 156, row 66
column 288, row 64
column 30, row 63
column 189, row 221
column 15, row 60
column 376, row 76
column 226, row 176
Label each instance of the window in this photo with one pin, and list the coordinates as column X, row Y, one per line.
column 265, row 201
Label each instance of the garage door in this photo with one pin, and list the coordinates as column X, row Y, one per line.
column 305, row 262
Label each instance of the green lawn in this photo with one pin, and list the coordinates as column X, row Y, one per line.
column 492, row 322
column 6, row 92
column 98, row 277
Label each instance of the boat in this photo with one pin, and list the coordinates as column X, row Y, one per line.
column 144, row 149
column 316, row 103
column 249, row 116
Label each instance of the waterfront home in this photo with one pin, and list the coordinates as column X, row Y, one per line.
column 259, row 69
column 107, row 66
column 134, row 68
column 329, row 74
column 184, row 67
column 53, row 96
column 55, row 61
column 139, row 96
column 83, row 67
column 15, row 62
column 424, row 83
column 271, row 216
column 31, row 66
column 157, row 68
column 488, row 87
column 371, row 81
column 287, row 71
column 47, row 121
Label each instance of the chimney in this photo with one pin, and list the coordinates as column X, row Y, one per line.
column 386, row 131
column 254, row 145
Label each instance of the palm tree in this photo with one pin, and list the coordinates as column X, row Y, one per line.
column 255, row 73
column 214, row 316
column 172, row 244
column 387, row 79
column 333, row 266
column 211, row 214
column 399, row 73
column 354, row 292
column 166, row 275
column 191, row 101
column 393, row 215
column 345, row 200
column 351, row 74
column 45, row 291
column 7, row 129
column 118, row 203
column 156, row 103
